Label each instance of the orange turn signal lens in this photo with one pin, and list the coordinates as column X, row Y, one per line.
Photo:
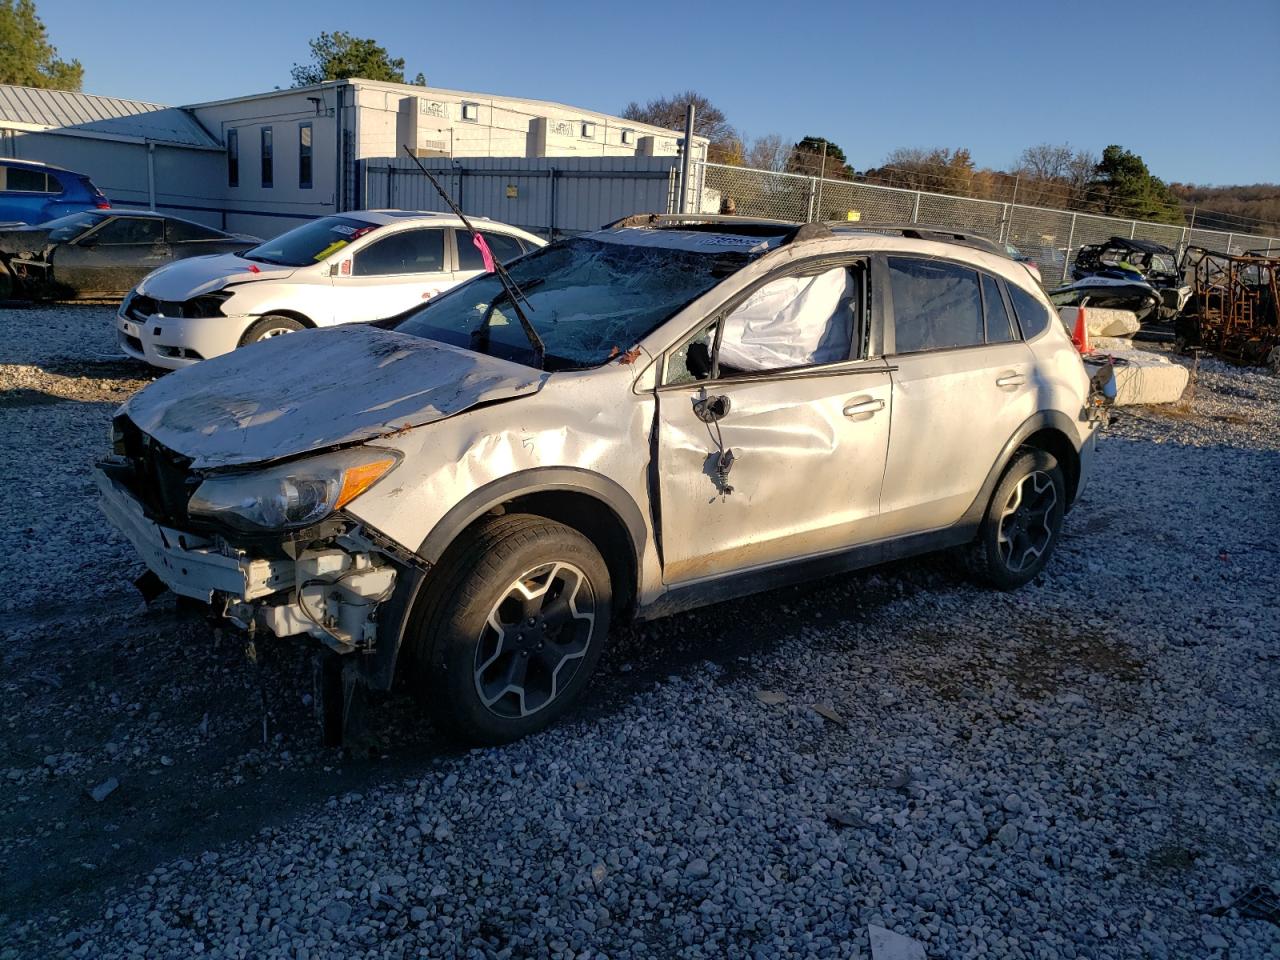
column 360, row 478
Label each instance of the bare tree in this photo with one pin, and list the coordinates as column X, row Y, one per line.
column 769, row 152
column 709, row 121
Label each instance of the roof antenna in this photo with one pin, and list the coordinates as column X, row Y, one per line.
column 491, row 263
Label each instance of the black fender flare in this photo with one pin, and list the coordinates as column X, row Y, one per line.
column 378, row 670
column 1044, row 419
column 536, row 480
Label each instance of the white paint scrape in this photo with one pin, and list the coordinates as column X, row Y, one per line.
column 887, row 945
column 1142, row 376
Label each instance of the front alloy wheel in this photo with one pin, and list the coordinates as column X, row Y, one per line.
column 509, row 628
column 534, row 639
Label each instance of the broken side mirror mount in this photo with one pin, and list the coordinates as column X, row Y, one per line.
column 711, row 409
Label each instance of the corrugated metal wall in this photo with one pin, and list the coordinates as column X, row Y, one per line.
column 549, row 196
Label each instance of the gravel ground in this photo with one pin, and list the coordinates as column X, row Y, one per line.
column 1088, row 767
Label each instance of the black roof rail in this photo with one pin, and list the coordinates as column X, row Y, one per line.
column 920, row 231
column 790, row 230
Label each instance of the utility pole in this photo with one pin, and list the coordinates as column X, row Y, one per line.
column 686, row 165
column 822, row 173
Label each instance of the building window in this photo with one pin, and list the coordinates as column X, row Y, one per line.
column 628, row 137
column 233, row 158
column 268, row 158
column 471, row 112
column 304, row 156
column 588, row 131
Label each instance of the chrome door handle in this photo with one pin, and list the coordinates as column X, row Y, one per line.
column 863, row 408
column 1011, row 380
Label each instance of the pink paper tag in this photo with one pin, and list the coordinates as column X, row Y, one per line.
column 483, row 247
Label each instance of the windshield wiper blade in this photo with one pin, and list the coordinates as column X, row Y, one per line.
column 481, row 333
column 512, row 291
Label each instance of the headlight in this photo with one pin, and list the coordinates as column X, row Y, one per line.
column 293, row 494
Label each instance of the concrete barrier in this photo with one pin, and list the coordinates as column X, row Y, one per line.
column 1142, row 376
column 1103, row 321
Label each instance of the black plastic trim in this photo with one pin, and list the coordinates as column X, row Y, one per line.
column 525, row 483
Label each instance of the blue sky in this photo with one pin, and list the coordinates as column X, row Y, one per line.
column 1188, row 85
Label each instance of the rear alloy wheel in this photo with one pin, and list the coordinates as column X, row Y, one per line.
column 1023, row 522
column 272, row 325
column 507, row 636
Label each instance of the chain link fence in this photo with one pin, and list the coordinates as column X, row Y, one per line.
column 1050, row 237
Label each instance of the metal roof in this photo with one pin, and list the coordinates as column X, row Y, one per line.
column 64, row 111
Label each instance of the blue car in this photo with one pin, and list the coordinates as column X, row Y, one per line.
column 33, row 192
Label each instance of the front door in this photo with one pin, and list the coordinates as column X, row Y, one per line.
column 110, row 260
column 772, row 429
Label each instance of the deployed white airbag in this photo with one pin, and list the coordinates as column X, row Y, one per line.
column 791, row 322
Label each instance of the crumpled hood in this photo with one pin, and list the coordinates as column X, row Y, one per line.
column 24, row 239
column 195, row 276
column 313, row 389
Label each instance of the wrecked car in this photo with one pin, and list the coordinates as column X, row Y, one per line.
column 1125, row 274
column 359, row 266
column 660, row 414
column 98, row 254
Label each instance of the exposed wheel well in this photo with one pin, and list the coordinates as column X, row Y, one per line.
column 595, row 520
column 1056, row 442
column 292, row 315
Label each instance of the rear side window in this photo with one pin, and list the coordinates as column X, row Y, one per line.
column 413, row 251
column 503, row 247
column 1000, row 327
column 936, row 305
column 1033, row 316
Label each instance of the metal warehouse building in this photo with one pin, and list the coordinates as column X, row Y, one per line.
column 262, row 163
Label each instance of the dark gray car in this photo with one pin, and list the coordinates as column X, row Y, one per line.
column 97, row 254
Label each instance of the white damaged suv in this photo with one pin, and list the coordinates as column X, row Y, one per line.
column 352, row 267
column 663, row 413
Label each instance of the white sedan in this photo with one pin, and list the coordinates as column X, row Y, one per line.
column 349, row 268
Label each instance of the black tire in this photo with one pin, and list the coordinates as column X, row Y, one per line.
column 1016, row 540
column 460, row 661
column 272, row 325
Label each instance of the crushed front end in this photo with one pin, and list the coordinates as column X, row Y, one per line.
column 333, row 579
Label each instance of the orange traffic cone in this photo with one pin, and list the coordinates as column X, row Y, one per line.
column 1080, row 337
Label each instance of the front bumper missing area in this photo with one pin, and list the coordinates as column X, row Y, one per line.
column 329, row 593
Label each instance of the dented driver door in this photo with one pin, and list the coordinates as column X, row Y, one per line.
column 807, row 457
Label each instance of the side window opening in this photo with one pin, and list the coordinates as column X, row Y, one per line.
column 802, row 320
column 936, row 305
column 1000, row 328
column 125, row 230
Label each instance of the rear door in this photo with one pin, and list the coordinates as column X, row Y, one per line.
column 773, row 425
column 962, row 385
column 393, row 273
column 110, row 260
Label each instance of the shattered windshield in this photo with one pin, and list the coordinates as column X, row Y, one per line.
column 311, row 242
column 588, row 299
